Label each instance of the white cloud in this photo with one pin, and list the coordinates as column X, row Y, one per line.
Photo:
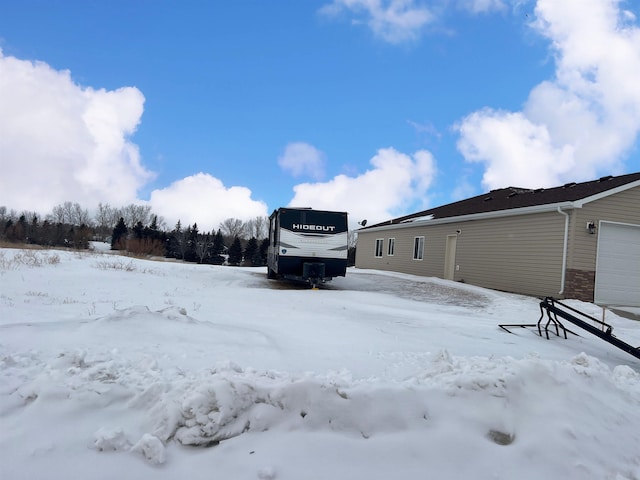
column 580, row 124
column 395, row 21
column 204, row 200
column 63, row 142
column 300, row 158
column 388, row 188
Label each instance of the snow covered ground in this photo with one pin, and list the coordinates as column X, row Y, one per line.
column 112, row 367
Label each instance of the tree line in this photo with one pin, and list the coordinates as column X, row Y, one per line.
column 138, row 231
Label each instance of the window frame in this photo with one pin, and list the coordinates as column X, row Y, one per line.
column 391, row 247
column 418, row 248
column 379, row 248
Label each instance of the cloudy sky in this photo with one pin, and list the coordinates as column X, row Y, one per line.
column 210, row 110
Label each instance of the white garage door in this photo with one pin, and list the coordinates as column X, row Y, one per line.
column 618, row 265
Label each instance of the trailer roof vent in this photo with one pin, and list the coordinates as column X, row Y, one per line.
column 604, row 179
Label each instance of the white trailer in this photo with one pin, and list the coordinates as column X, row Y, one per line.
column 307, row 245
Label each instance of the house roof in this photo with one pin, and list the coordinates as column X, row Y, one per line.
column 513, row 198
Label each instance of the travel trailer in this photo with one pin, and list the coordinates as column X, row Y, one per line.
column 307, row 245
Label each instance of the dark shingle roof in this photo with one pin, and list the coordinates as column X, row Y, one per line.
column 513, row 197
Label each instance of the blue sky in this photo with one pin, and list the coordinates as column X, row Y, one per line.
column 210, row 110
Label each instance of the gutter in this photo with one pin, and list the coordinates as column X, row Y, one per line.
column 552, row 207
column 564, row 249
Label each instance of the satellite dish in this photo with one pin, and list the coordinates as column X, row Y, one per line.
column 362, row 223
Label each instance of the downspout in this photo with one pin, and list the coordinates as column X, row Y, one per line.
column 564, row 249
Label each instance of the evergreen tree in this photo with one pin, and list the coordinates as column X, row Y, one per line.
column 154, row 224
column 217, row 249
column 34, row 235
column 17, row 232
column 60, row 234
column 119, row 236
column 192, row 242
column 218, row 243
column 264, row 248
column 7, row 228
column 177, row 244
column 252, row 253
column 46, row 234
column 79, row 237
column 152, row 232
column 235, row 252
column 138, row 229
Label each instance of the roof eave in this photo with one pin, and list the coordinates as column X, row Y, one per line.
column 512, row 212
column 606, row 193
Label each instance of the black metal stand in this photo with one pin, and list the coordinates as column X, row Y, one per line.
column 555, row 309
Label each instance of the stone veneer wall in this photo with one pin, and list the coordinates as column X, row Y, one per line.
column 579, row 284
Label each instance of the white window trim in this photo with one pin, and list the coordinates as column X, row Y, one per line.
column 379, row 241
column 391, row 247
column 418, row 253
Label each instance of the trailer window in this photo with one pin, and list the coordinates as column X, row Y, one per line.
column 379, row 245
column 418, row 248
column 391, row 247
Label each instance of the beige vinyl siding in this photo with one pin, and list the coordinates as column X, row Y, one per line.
column 623, row 207
column 515, row 254
column 521, row 253
column 402, row 259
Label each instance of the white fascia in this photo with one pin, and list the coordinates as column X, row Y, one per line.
column 613, row 191
column 512, row 212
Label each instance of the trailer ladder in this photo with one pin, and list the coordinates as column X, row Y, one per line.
column 554, row 309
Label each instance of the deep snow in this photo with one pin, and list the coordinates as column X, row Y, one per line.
column 113, row 367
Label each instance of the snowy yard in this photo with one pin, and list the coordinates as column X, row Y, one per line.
column 113, row 367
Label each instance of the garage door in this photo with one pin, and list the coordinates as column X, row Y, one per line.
column 618, row 265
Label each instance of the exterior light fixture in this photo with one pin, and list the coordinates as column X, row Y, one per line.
column 591, row 227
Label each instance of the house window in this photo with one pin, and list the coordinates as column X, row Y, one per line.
column 391, row 247
column 379, row 244
column 418, row 248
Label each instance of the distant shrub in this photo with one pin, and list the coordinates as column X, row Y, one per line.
column 145, row 247
column 29, row 258
column 5, row 263
column 116, row 265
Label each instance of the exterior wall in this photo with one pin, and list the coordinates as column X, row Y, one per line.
column 521, row 254
column 623, row 207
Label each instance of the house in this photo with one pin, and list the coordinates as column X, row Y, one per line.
column 579, row 240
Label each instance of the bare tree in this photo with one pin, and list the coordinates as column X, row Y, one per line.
column 203, row 244
column 161, row 223
column 70, row 213
column 80, row 216
column 30, row 217
column 13, row 215
column 106, row 216
column 257, row 227
column 232, row 227
column 133, row 214
column 60, row 214
column 352, row 239
column 352, row 244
